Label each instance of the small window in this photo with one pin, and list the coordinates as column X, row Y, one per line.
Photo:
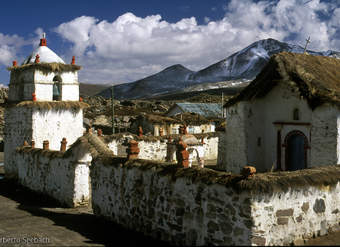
column 296, row 114
column 57, row 87
column 259, row 141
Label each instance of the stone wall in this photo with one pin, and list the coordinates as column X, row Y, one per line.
column 18, row 128
column 65, row 178
column 193, row 206
column 299, row 213
column 257, row 131
column 156, row 148
column 182, row 211
column 324, row 141
column 27, row 124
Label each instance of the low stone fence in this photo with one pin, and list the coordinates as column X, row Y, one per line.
column 63, row 175
column 53, row 174
column 195, row 206
column 156, row 147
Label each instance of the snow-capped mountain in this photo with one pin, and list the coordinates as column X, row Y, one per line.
column 241, row 66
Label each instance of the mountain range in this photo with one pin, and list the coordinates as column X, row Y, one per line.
column 235, row 70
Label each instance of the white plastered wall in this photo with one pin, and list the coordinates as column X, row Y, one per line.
column 247, row 122
column 53, row 125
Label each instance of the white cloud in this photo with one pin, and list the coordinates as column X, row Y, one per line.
column 132, row 47
column 9, row 46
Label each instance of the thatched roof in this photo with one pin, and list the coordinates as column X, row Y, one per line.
column 316, row 77
column 184, row 118
column 46, row 67
column 93, row 143
column 151, row 138
column 39, row 151
column 191, row 118
column 157, row 119
column 48, row 105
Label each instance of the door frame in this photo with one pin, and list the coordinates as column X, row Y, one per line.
column 285, row 145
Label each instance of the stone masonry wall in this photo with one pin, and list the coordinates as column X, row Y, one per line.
column 48, row 172
column 181, row 211
column 18, row 128
column 192, row 206
column 284, row 217
column 156, row 149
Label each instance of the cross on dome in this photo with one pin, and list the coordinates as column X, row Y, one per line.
column 43, row 41
column 45, row 53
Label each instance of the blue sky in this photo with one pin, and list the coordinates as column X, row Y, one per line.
column 121, row 41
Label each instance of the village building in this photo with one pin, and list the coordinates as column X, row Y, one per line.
column 44, row 104
column 159, row 125
column 207, row 110
column 288, row 118
column 292, row 103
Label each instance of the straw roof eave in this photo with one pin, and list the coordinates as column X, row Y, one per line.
column 317, row 79
column 46, row 67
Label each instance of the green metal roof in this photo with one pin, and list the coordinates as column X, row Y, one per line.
column 208, row 110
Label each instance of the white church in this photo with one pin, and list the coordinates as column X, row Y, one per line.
column 288, row 118
column 44, row 103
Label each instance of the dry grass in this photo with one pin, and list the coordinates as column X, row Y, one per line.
column 192, row 119
column 316, row 77
column 49, row 105
column 46, row 67
column 39, row 151
column 89, row 142
column 93, row 144
column 269, row 182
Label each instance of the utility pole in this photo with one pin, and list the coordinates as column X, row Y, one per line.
column 307, row 42
column 222, row 105
column 113, row 110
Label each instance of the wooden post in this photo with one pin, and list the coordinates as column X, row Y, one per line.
column 307, row 42
column 45, row 145
column 63, row 145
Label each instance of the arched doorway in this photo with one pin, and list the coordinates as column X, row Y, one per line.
column 296, row 144
column 57, row 87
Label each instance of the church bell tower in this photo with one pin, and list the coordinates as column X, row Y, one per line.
column 43, row 104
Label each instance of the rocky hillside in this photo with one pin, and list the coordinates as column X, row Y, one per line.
column 241, row 66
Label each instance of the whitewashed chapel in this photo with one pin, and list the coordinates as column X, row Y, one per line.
column 288, row 118
column 44, row 103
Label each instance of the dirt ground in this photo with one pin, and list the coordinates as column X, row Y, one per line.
column 28, row 217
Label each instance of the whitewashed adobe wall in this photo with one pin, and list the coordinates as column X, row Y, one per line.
column 65, row 179
column 18, row 128
column 158, row 150
column 23, row 84
column 27, row 124
column 17, row 83
column 251, row 135
column 182, row 211
column 235, row 156
column 188, row 211
column 284, row 217
column 53, row 125
column 325, row 145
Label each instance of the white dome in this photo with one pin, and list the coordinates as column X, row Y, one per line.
column 46, row 55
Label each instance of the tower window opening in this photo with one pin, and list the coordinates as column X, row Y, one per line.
column 57, row 88
column 296, row 114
